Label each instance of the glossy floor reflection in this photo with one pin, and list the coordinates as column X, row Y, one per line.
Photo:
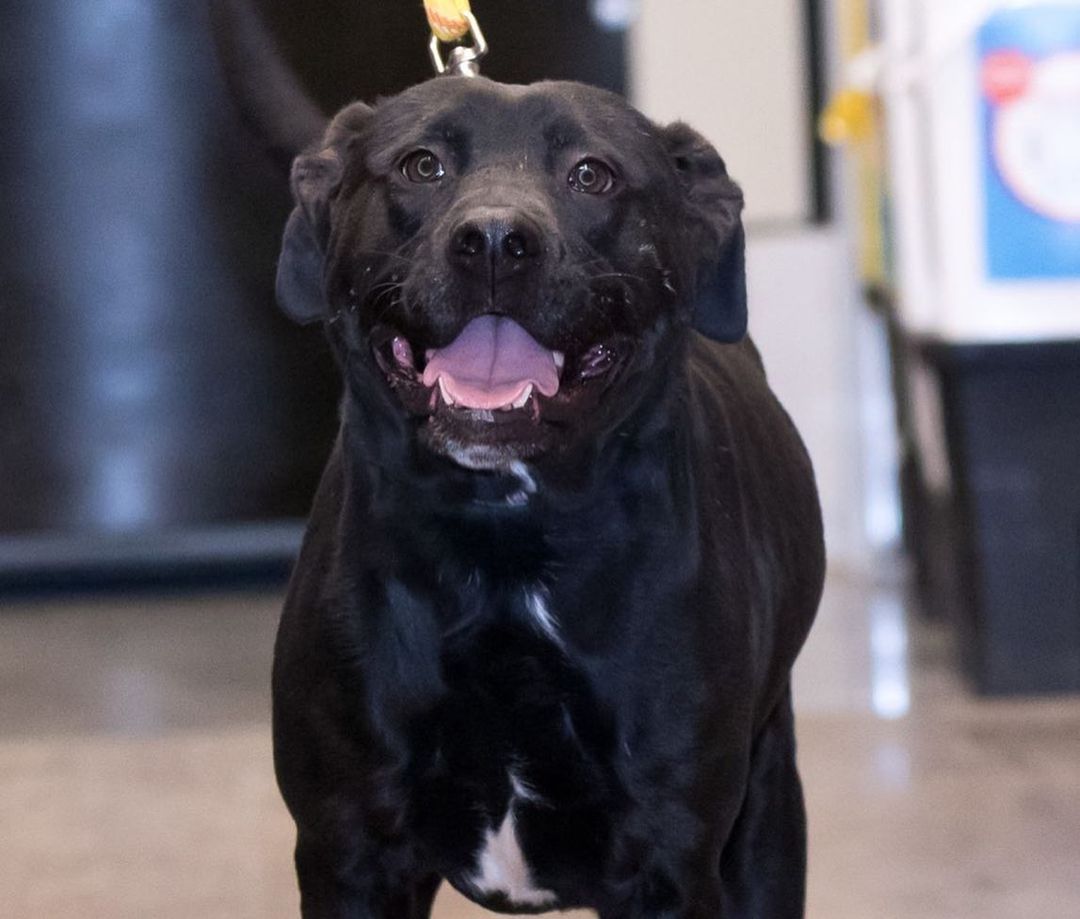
column 135, row 775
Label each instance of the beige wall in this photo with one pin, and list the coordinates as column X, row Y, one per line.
column 735, row 70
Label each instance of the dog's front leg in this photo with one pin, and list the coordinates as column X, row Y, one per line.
column 764, row 864
column 702, row 905
column 666, row 886
column 340, row 886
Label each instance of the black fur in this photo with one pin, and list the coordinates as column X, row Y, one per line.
column 665, row 510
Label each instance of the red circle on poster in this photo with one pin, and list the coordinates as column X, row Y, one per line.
column 1006, row 76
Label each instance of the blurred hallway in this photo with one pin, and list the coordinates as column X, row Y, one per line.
column 135, row 763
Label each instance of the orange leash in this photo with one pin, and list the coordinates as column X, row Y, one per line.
column 452, row 22
column 448, row 18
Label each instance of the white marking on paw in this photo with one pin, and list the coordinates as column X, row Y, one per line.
column 541, row 616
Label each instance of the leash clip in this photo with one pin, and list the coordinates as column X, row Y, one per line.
column 464, row 60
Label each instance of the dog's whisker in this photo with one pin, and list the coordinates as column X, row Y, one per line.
column 380, row 289
column 395, row 301
column 366, row 253
column 620, row 276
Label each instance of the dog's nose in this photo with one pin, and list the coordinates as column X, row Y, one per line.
column 500, row 242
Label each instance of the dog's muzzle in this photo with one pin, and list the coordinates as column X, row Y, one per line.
column 493, row 244
column 494, row 383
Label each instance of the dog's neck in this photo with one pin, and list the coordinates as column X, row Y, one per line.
column 423, row 503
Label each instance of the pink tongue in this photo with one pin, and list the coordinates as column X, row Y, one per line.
column 491, row 364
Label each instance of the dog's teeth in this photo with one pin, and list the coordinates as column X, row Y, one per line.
column 560, row 360
column 447, row 398
column 523, row 400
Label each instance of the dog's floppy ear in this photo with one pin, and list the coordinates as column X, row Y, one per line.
column 715, row 205
column 300, row 268
column 316, row 178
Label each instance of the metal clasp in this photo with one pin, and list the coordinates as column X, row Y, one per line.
column 463, row 60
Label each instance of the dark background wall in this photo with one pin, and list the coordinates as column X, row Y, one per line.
column 147, row 384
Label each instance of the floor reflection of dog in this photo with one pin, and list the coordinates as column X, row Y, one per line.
column 538, row 642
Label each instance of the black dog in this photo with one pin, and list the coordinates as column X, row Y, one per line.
column 538, row 642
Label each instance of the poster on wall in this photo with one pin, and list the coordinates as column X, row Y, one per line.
column 1030, row 79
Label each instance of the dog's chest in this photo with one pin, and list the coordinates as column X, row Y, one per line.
column 512, row 785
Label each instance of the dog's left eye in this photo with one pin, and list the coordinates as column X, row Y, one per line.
column 422, row 166
column 592, row 177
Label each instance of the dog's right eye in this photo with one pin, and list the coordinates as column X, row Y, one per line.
column 422, row 167
column 592, row 177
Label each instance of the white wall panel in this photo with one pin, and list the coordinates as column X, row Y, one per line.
column 737, row 71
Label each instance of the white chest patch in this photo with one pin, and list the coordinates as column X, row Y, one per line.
column 501, row 867
column 541, row 617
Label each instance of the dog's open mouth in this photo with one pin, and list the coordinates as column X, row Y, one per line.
column 494, row 365
column 495, row 373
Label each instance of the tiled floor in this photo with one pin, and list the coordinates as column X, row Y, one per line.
column 135, row 776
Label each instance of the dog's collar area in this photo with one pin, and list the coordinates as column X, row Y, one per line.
column 520, row 496
column 507, row 489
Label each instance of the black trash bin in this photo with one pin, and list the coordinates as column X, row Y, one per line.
column 1004, row 538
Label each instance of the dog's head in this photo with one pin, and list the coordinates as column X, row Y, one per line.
column 508, row 267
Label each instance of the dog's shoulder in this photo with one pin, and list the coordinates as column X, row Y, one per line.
column 750, row 448
column 313, row 573
column 730, row 396
column 725, row 368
